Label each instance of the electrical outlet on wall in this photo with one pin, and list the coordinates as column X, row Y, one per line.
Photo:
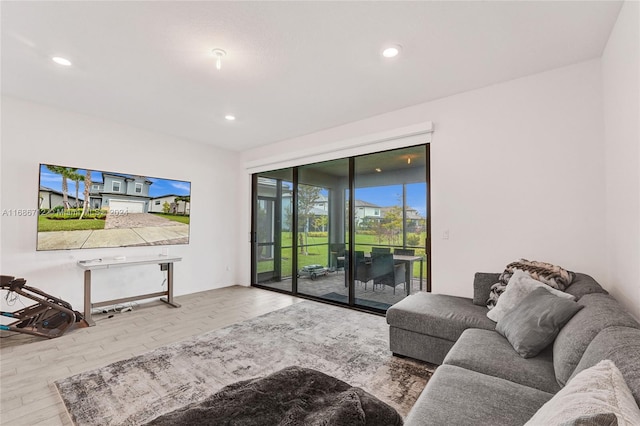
column 445, row 234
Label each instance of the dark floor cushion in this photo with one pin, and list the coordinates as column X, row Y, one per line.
column 291, row 396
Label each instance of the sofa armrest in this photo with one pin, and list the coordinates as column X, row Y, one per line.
column 482, row 283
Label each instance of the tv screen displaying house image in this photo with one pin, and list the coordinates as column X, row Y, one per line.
column 81, row 208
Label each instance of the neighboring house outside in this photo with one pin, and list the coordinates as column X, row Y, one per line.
column 121, row 193
column 321, row 204
column 267, row 191
column 365, row 210
column 312, row 225
column 50, row 198
column 180, row 207
column 415, row 221
column 319, row 209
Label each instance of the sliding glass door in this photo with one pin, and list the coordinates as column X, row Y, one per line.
column 322, row 246
column 312, row 238
column 390, row 218
column 273, row 229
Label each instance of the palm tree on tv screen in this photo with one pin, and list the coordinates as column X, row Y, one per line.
column 186, row 199
column 87, row 185
column 65, row 172
column 76, row 177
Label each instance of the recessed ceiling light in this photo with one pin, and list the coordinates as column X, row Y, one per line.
column 229, row 117
column 392, row 51
column 61, row 61
column 378, row 169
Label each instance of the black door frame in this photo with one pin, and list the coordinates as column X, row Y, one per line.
column 351, row 229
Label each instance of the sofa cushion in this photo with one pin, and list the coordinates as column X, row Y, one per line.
column 457, row 396
column 600, row 389
column 600, row 311
column 535, row 322
column 419, row 346
column 520, row 285
column 584, row 284
column 438, row 315
column 620, row 345
column 482, row 283
column 487, row 352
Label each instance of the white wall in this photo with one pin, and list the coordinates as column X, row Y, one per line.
column 516, row 168
column 33, row 134
column 621, row 92
column 517, row 171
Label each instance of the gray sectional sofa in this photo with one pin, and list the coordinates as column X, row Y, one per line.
column 482, row 380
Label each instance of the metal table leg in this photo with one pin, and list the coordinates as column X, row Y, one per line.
column 87, row 298
column 169, row 298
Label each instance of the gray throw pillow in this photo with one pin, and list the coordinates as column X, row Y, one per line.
column 519, row 287
column 533, row 324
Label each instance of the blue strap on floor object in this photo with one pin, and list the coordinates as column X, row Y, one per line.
column 49, row 317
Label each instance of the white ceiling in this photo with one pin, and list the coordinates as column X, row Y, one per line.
column 292, row 68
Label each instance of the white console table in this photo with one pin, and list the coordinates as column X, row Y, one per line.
column 165, row 262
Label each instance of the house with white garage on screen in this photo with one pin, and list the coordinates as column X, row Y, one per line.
column 176, row 204
column 121, row 193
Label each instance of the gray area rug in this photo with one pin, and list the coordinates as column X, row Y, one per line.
column 349, row 345
column 293, row 396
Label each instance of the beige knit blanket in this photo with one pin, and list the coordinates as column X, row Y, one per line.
column 547, row 273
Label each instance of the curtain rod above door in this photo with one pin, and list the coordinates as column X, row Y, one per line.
column 416, row 134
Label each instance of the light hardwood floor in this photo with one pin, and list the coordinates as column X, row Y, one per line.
column 29, row 365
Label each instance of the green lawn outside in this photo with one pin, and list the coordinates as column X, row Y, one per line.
column 316, row 251
column 174, row 217
column 48, row 225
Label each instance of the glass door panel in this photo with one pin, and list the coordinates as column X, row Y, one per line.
column 416, row 230
column 273, row 218
column 321, row 240
column 390, row 224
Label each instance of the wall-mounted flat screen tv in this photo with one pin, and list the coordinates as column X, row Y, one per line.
column 81, row 208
